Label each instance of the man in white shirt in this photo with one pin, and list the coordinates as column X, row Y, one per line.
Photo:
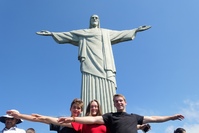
column 10, row 124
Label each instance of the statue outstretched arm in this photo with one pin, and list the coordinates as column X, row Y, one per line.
column 143, row 28
column 44, row 33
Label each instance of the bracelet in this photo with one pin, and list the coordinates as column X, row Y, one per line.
column 73, row 119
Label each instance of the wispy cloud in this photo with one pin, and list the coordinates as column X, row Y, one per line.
column 191, row 112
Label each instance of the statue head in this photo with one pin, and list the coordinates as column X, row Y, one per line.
column 94, row 21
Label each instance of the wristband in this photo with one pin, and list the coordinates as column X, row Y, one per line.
column 73, row 119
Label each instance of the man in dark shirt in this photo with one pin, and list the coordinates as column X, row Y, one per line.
column 120, row 122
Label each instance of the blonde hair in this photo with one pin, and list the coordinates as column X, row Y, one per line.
column 119, row 95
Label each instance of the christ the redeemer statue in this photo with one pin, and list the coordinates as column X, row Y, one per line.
column 96, row 59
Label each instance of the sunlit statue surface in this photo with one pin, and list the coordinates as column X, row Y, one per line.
column 96, row 58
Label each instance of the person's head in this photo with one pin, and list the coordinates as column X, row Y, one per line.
column 119, row 102
column 10, row 121
column 30, row 130
column 76, row 107
column 180, row 130
column 93, row 108
column 94, row 21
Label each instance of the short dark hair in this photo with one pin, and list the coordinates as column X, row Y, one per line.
column 179, row 130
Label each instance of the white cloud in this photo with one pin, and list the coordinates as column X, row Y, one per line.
column 192, row 128
column 191, row 113
column 191, row 121
column 191, row 110
column 170, row 129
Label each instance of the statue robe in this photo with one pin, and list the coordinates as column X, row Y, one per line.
column 97, row 62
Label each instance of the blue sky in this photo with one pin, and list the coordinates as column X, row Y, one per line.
column 158, row 71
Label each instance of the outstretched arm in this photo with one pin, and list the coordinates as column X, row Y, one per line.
column 158, row 119
column 44, row 33
column 23, row 116
column 83, row 120
column 37, row 118
column 50, row 120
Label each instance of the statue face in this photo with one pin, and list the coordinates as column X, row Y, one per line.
column 94, row 21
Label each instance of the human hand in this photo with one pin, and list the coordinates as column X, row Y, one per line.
column 13, row 113
column 44, row 33
column 38, row 117
column 177, row 117
column 62, row 120
column 144, row 127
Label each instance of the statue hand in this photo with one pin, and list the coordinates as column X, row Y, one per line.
column 44, row 33
column 142, row 28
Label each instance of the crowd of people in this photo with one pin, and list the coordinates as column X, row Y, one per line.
column 94, row 120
